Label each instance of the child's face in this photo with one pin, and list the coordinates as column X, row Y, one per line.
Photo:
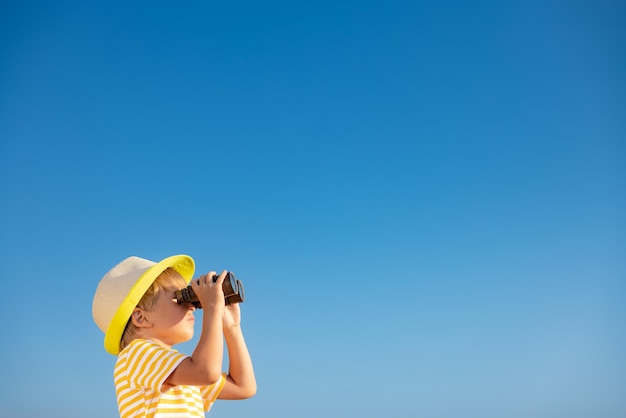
column 172, row 323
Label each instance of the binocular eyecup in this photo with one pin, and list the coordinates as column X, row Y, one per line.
column 233, row 292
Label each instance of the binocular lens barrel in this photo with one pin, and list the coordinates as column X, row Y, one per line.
column 236, row 297
column 233, row 292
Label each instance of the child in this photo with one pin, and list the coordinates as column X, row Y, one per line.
column 134, row 306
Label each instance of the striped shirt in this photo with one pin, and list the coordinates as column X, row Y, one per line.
column 141, row 370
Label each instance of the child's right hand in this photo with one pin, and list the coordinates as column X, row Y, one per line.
column 210, row 292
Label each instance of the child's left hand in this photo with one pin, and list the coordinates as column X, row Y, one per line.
column 232, row 316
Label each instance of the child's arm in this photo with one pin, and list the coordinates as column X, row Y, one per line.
column 240, row 382
column 204, row 367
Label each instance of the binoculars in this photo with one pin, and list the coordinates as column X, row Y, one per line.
column 233, row 292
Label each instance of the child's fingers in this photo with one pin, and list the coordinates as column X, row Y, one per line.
column 220, row 279
column 203, row 280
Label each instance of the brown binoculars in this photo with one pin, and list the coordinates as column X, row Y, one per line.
column 233, row 292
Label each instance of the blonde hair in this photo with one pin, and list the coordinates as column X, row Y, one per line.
column 169, row 277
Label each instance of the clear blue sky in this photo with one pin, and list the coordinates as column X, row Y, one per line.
column 424, row 200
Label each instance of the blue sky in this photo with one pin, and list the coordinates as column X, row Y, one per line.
column 424, row 200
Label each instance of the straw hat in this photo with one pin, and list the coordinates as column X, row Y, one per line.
column 121, row 289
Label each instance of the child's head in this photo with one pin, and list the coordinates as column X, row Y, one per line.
column 170, row 278
column 130, row 283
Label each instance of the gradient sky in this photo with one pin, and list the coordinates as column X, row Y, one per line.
column 424, row 200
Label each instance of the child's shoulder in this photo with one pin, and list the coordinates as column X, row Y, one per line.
column 146, row 346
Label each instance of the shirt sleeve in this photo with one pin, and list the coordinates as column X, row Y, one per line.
column 150, row 364
column 211, row 392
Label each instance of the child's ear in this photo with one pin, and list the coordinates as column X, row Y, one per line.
column 139, row 319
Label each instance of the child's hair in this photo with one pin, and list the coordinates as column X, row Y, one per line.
column 168, row 278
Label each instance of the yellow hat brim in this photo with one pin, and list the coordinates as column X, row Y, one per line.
column 183, row 264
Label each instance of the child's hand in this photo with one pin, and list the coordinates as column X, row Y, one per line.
column 209, row 292
column 232, row 316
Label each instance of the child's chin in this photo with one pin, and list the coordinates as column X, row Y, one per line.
column 186, row 337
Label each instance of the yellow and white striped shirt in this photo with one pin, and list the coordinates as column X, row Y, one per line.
column 140, row 371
